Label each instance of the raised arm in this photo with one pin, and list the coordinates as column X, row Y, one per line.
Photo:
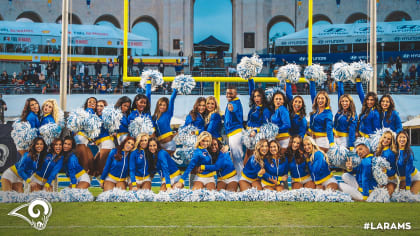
column 289, row 91
column 149, row 90
column 312, row 89
column 340, row 91
column 251, row 86
column 360, row 91
column 172, row 102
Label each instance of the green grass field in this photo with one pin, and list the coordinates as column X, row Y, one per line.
column 215, row 218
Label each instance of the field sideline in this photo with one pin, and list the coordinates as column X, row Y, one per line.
column 215, row 218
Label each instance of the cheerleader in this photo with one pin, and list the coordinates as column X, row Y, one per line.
column 78, row 176
column 227, row 177
column 388, row 149
column 200, row 157
column 139, row 167
column 161, row 162
column 115, row 171
column 352, row 179
column 197, row 114
column 123, row 104
column 369, row 120
column 49, row 112
column 389, row 117
column 83, row 152
column 297, row 112
column 213, row 121
column 162, row 121
column 406, row 171
column 104, row 142
column 253, row 169
column 298, row 166
column 15, row 176
column 30, row 114
column 281, row 118
column 345, row 120
column 366, row 179
column 140, row 106
column 52, row 164
column 276, row 168
column 318, row 165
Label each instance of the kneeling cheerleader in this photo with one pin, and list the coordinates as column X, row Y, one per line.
column 276, row 168
column 298, row 166
column 387, row 149
column 407, row 172
column 139, row 167
column 78, row 176
column 253, row 168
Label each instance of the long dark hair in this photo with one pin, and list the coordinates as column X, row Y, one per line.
column 285, row 101
column 264, row 101
column 270, row 156
column 390, row 109
column 66, row 155
column 27, row 108
column 214, row 155
column 118, row 156
column 86, row 103
column 157, row 113
column 51, row 149
column 302, row 110
column 194, row 112
column 149, row 156
column 298, row 154
column 137, row 98
column 33, row 154
column 122, row 100
column 365, row 109
column 407, row 150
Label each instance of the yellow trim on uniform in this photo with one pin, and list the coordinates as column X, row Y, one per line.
column 324, row 179
column 231, row 174
column 168, row 186
column 211, row 174
column 165, row 135
column 385, row 148
column 363, row 134
column 340, row 134
column 40, row 178
column 181, row 181
column 301, row 179
column 402, row 178
column 253, row 128
column 101, row 140
column 407, row 187
column 148, row 81
column 236, row 131
column 116, row 178
column 235, row 99
column 392, row 177
column 247, row 178
column 139, row 178
column 134, row 184
column 47, row 185
column 173, row 175
column 358, row 80
column 282, row 135
column 267, row 183
column 220, row 139
column 82, row 172
column 82, row 134
column 319, row 134
column 361, row 190
column 121, row 134
column 13, row 168
column 202, row 167
column 365, row 198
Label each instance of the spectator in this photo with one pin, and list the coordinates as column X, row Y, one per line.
column 54, row 67
column 178, row 67
column 119, row 88
column 81, row 69
column 109, row 89
column 283, row 62
column 141, row 66
column 139, row 89
column 272, row 65
column 231, row 70
column 389, row 73
column 404, row 88
column 101, row 86
column 397, row 86
column 382, row 87
column 412, row 72
column 3, row 108
column 111, row 67
column 161, row 67
column 203, row 58
column 398, row 64
column 98, row 67
column 86, row 74
column 192, row 62
column 130, row 64
column 4, row 78
column 108, row 79
column 120, row 61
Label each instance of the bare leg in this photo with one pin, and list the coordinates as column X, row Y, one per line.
column 83, row 185
column 221, row 185
column 269, row 187
column 197, row 185
column 100, row 161
column 163, row 187
column 35, row 187
column 391, row 188
column 257, row 184
column 310, row 184
column 279, row 188
column 402, row 184
column 146, row 185
column 6, row 185
column 297, row 185
column 232, row 187
column 211, row 186
column 415, row 187
column 18, row 187
column 319, row 186
column 332, row 186
column 244, row 185
column 108, row 185
column 121, row 185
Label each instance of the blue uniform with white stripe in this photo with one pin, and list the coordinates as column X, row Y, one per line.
column 321, row 124
column 116, row 170
column 275, row 170
column 73, row 169
column 33, row 120
column 139, row 166
column 257, row 115
column 223, row 166
column 166, row 167
column 394, row 121
column 50, row 168
column 298, row 172
column 318, row 168
column 298, row 125
column 368, row 181
column 214, row 126
column 200, row 157
column 251, row 169
column 163, row 123
column 405, row 167
column 25, row 167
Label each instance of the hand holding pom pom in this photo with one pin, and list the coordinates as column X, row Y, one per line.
column 184, row 84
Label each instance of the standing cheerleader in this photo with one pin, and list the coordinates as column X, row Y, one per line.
column 213, row 119
column 389, row 117
column 78, row 176
column 161, row 162
column 123, row 104
column 104, row 142
column 49, row 112
column 318, row 166
column 369, row 120
column 297, row 112
column 52, row 164
column 276, row 168
column 252, row 170
column 30, row 114
column 345, row 120
column 140, row 107
column 407, row 172
column 83, row 152
column 115, row 172
column 200, row 157
column 368, row 182
column 227, row 177
column 162, row 121
column 387, row 149
column 321, row 119
column 15, row 176
column 197, row 114
column 139, row 167
column 281, row 118
column 298, row 166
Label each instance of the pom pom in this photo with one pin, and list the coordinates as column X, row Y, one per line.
column 23, row 134
column 362, row 70
column 13, row 197
column 92, row 126
column 268, row 131
column 185, row 136
column 154, row 76
column 315, row 72
column 378, row 195
column 362, row 141
column 61, row 121
column 378, row 165
column 184, row 84
column 117, row 195
column 289, row 72
column 269, row 93
column 144, row 195
column 49, row 132
column 249, row 67
column 142, row 124
column 342, row 72
column 247, row 140
column 76, row 119
column 376, row 137
column 182, row 156
column 49, row 196
column 111, row 118
column 354, row 158
column 75, row 195
column 404, row 196
column 337, row 156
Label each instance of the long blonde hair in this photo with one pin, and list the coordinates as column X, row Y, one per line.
column 315, row 148
column 351, row 112
column 392, row 146
column 315, row 103
column 55, row 110
column 202, row 136
column 258, row 157
column 216, row 108
column 138, row 139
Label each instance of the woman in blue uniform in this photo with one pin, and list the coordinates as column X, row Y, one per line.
column 141, row 104
column 369, row 119
column 281, row 118
column 15, row 176
column 276, row 168
column 298, row 166
column 49, row 112
column 197, row 114
column 161, row 162
column 123, row 103
column 213, row 120
column 407, row 172
column 30, row 113
column 318, row 165
column 297, row 111
column 388, row 150
column 251, row 173
column 388, row 115
column 115, row 172
column 139, row 167
column 78, row 176
column 43, row 177
column 345, row 120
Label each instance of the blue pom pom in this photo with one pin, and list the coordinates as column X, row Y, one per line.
column 289, row 72
column 75, row 195
column 404, row 196
column 337, row 156
column 269, row 93
column 342, row 72
column 76, row 119
column 378, row 165
column 249, row 67
column 141, row 124
column 378, row 195
column 92, row 126
column 23, row 134
column 186, row 136
column 49, row 132
column 247, row 140
column 111, row 118
column 362, row 70
column 154, row 76
column 362, row 141
column 268, row 131
column 315, row 72
column 184, row 84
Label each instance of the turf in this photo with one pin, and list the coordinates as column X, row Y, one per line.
column 216, row 218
